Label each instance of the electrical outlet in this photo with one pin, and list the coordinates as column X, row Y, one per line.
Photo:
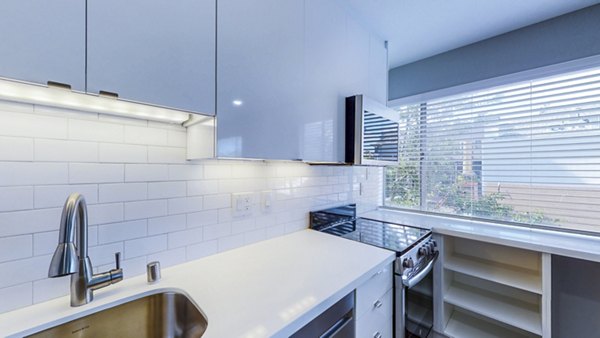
column 242, row 204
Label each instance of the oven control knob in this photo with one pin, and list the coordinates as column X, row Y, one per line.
column 423, row 251
column 408, row 263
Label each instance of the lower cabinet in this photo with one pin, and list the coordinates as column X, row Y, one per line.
column 486, row 290
column 375, row 305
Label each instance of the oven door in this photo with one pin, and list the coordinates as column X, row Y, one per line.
column 414, row 301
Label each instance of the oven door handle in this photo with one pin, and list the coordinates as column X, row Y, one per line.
column 413, row 280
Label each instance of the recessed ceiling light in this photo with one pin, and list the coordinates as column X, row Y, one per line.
column 237, row 102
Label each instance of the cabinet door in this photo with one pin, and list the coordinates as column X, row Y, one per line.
column 43, row 41
column 323, row 119
column 154, row 51
column 378, row 70
column 260, row 70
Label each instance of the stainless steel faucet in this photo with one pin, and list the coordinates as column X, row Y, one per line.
column 71, row 255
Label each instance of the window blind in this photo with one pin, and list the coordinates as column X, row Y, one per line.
column 528, row 152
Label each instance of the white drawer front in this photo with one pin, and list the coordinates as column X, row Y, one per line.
column 377, row 323
column 373, row 289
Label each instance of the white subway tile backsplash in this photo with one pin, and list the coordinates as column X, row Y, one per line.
column 105, row 254
column 146, row 172
column 185, row 205
column 169, row 257
column 166, row 155
column 203, row 249
column 44, row 242
column 246, row 225
column 143, row 198
column 15, row 297
column 105, row 213
column 16, row 198
column 65, row 151
column 230, row 242
column 202, row 218
column 184, row 238
column 24, row 270
column 145, row 246
column 16, row 149
column 255, row 236
column 48, row 196
column 166, row 189
column 217, row 171
column 145, row 209
column 217, row 201
column 167, row 224
column 185, row 172
column 202, row 187
column 177, row 138
column 50, row 288
column 31, row 125
column 33, row 173
column 122, row 153
column 16, row 247
column 122, row 192
column 146, row 135
column 95, row 173
column 214, row 231
column 115, row 232
column 30, row 221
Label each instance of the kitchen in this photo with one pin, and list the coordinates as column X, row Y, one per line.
column 212, row 136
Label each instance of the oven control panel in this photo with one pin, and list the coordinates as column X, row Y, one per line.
column 417, row 257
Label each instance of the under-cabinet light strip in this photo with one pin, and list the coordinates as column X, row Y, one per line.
column 65, row 98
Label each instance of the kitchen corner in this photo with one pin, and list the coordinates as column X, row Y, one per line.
column 271, row 288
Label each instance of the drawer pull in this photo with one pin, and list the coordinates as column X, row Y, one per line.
column 377, row 304
column 377, row 335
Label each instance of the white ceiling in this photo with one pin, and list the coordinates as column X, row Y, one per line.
column 417, row 29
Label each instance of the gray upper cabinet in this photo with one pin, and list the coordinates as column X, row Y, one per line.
column 153, row 51
column 260, row 78
column 43, row 41
column 282, row 80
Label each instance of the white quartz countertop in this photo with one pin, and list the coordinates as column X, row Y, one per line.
column 550, row 241
column 268, row 289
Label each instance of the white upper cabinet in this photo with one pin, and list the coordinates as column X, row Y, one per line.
column 322, row 125
column 153, row 51
column 43, row 41
column 282, row 79
column 260, row 78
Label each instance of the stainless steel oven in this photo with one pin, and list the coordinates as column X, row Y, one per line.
column 413, row 287
column 416, row 253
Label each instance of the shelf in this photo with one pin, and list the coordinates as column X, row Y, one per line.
column 501, row 308
column 516, row 277
column 462, row 325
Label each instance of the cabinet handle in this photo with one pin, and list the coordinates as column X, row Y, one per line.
column 60, row 85
column 108, row 94
column 377, row 304
column 377, row 335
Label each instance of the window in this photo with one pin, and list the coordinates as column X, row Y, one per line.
column 526, row 152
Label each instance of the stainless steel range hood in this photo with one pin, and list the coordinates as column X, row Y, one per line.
column 372, row 132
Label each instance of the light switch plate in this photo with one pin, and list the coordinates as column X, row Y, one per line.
column 266, row 201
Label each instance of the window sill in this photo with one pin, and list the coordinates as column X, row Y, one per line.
column 542, row 240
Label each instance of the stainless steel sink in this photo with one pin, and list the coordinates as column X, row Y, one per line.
column 166, row 314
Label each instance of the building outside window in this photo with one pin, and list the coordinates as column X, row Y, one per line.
column 527, row 152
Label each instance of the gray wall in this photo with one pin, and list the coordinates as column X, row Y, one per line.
column 568, row 37
column 575, row 298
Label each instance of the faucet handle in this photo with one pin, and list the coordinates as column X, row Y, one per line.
column 117, row 260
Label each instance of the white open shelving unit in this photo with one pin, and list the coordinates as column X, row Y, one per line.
column 489, row 290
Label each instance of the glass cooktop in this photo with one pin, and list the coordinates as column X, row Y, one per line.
column 341, row 222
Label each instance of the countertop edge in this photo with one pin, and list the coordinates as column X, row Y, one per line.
column 542, row 240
